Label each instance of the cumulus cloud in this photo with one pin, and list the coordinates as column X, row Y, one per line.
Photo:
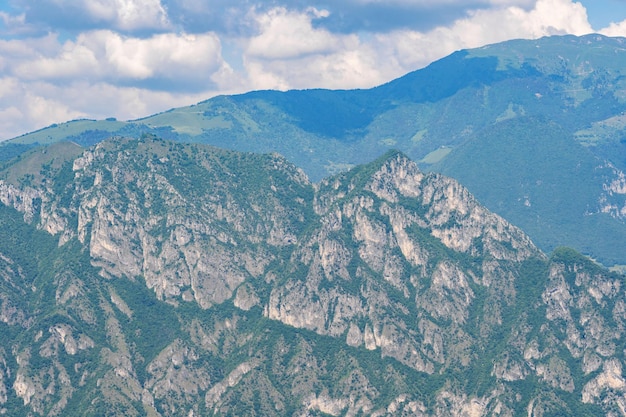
column 284, row 34
column 342, row 69
column 104, row 55
column 38, row 104
column 20, row 106
column 13, row 24
column 547, row 17
column 101, row 100
column 129, row 14
column 380, row 16
column 124, row 15
column 289, row 52
column 229, row 17
column 615, row 29
column 226, row 17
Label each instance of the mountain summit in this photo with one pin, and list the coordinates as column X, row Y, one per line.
column 149, row 277
column 533, row 128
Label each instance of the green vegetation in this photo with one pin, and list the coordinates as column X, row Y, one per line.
column 132, row 306
column 436, row 156
column 61, row 131
column 40, row 164
column 518, row 123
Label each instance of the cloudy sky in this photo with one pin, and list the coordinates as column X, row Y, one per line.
column 69, row 59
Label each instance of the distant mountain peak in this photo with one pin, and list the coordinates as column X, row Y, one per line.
column 533, row 128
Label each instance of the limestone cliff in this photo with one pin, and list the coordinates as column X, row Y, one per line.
column 144, row 277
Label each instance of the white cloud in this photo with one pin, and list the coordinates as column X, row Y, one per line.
column 16, row 51
column 28, row 106
column 12, row 20
column 167, row 55
column 20, row 106
column 556, row 17
column 288, row 52
column 106, row 55
column 288, row 34
column 548, row 17
column 527, row 4
column 460, row 3
column 126, row 15
column 412, row 50
column 74, row 60
column 106, row 100
column 615, row 29
column 350, row 68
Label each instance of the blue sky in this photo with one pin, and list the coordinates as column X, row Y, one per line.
column 69, row 59
column 602, row 12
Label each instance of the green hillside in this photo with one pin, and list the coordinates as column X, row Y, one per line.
column 144, row 277
column 448, row 116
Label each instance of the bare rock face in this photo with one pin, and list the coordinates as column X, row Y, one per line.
column 22, row 199
column 168, row 279
column 177, row 377
column 611, row 380
column 246, row 298
column 386, row 243
column 141, row 216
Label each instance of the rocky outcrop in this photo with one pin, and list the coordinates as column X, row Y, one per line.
column 178, row 279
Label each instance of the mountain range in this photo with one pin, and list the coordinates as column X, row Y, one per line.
column 408, row 250
column 533, row 128
column 150, row 277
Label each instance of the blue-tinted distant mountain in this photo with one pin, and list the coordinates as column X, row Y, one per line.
column 534, row 128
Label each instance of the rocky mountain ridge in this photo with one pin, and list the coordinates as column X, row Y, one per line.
column 147, row 277
column 533, row 128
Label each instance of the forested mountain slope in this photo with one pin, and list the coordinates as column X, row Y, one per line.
column 533, row 128
column 148, row 277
